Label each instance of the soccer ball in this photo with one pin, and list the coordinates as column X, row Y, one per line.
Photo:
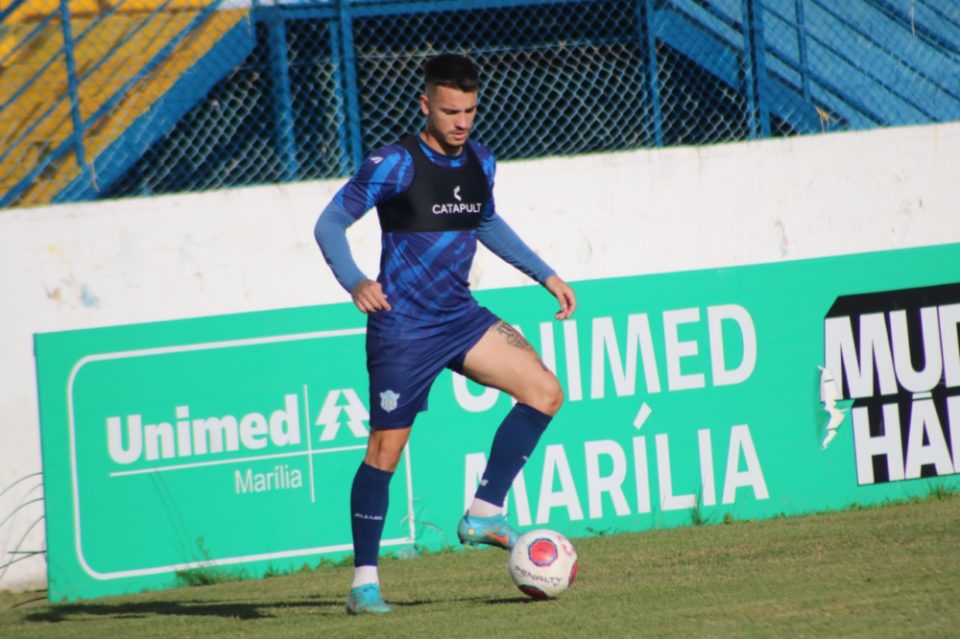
column 543, row 563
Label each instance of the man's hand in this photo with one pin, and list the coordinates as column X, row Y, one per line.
column 369, row 297
column 564, row 294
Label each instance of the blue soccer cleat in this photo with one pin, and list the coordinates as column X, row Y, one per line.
column 492, row 531
column 366, row 598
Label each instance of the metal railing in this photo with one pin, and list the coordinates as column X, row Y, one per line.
column 325, row 82
column 12, row 150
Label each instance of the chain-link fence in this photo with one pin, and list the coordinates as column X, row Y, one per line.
column 203, row 95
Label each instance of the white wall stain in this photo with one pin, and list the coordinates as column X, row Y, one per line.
column 88, row 297
column 781, row 229
column 70, row 293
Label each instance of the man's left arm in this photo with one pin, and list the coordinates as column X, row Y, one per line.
column 497, row 236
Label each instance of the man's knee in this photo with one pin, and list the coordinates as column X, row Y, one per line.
column 384, row 449
column 554, row 396
column 386, row 460
column 546, row 396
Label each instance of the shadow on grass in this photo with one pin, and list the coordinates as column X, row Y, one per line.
column 69, row 612
column 481, row 600
column 524, row 601
column 234, row 610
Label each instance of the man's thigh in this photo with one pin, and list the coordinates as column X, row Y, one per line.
column 401, row 373
column 402, row 370
column 504, row 359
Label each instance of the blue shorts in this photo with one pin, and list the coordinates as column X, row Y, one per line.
column 402, row 370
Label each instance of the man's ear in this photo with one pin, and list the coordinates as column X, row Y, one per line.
column 424, row 104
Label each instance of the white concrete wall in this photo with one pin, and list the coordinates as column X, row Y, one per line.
column 84, row 265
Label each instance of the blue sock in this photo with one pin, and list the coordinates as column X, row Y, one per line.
column 369, row 498
column 514, row 442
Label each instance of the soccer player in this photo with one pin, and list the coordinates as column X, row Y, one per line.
column 434, row 197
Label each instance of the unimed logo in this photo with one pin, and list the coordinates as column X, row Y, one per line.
column 185, row 433
column 897, row 356
column 187, row 436
column 258, row 451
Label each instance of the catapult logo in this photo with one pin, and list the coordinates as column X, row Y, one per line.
column 896, row 354
column 457, row 207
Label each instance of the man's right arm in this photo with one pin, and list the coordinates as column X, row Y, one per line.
column 331, row 234
column 387, row 172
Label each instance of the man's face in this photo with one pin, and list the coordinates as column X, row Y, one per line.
column 450, row 114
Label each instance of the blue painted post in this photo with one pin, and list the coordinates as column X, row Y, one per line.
column 648, row 34
column 282, row 98
column 760, row 65
column 802, row 48
column 755, row 68
column 749, row 88
column 73, row 87
column 343, row 127
column 352, row 99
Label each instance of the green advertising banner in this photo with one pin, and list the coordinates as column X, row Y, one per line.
column 229, row 443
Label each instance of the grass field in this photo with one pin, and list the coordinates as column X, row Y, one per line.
column 891, row 571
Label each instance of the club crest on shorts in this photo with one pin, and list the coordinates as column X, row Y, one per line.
column 388, row 400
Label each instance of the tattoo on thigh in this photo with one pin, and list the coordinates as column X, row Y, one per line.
column 514, row 338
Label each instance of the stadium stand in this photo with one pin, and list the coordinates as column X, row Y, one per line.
column 132, row 97
column 101, row 85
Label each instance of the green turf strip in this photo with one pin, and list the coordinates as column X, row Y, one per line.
column 891, row 571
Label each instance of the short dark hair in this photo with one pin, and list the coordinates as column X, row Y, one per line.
column 451, row 70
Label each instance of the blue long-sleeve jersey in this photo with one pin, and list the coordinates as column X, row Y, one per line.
column 423, row 273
